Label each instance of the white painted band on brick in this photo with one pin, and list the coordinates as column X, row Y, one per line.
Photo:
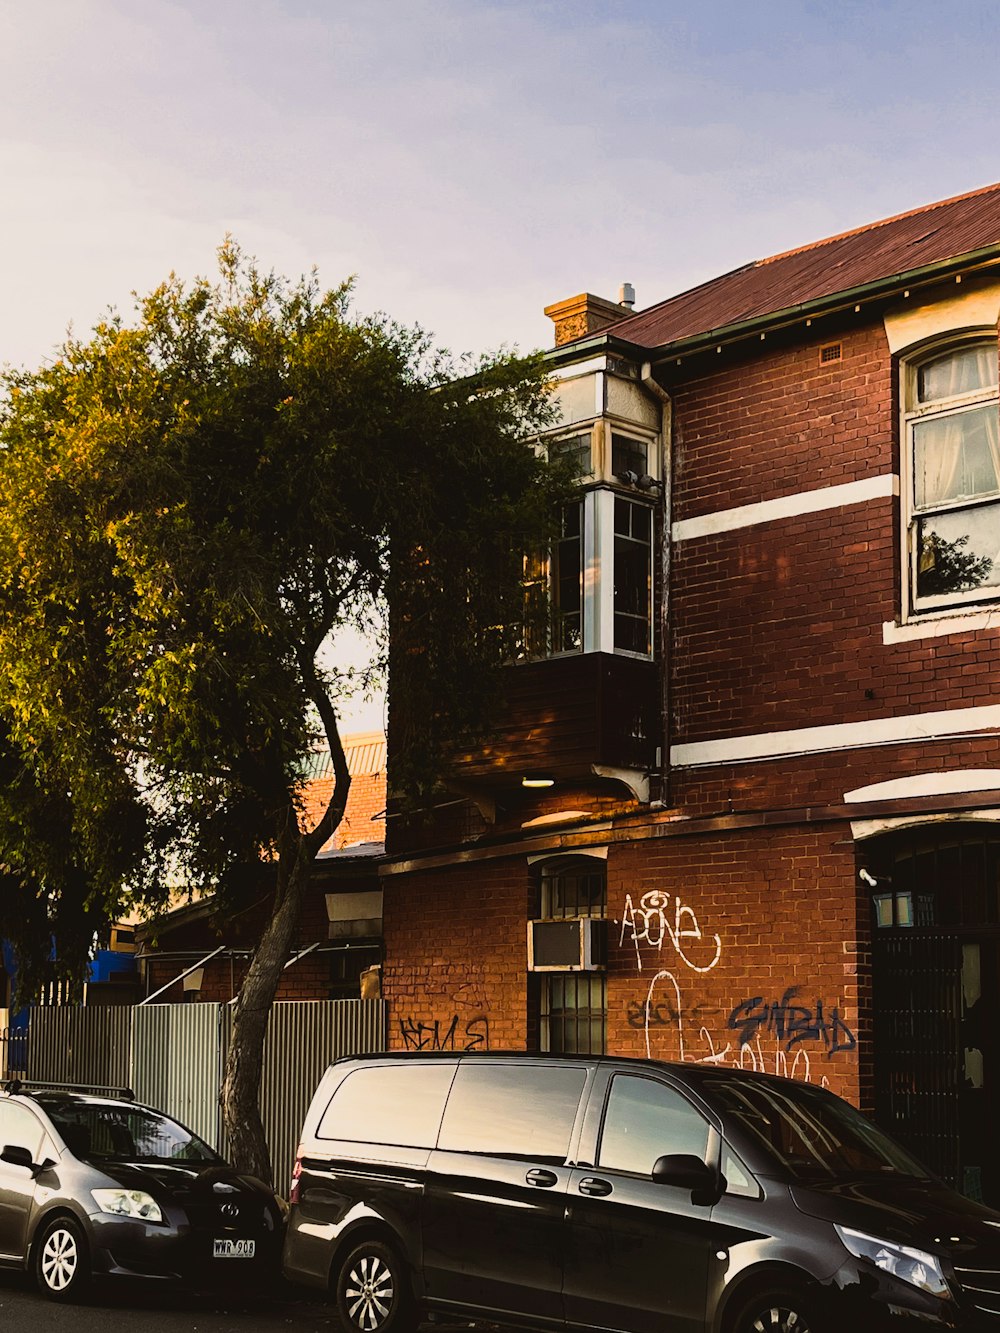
column 946, row 783
column 787, row 506
column 839, row 736
column 963, row 622
column 861, row 829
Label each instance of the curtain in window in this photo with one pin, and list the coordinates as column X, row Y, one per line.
column 957, row 457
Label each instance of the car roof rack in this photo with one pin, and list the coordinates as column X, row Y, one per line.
column 17, row 1085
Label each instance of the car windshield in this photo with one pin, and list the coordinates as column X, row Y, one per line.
column 105, row 1131
column 811, row 1133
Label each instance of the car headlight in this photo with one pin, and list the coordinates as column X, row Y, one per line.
column 128, row 1203
column 916, row 1267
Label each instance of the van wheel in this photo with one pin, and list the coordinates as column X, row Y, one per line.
column 783, row 1310
column 62, row 1264
column 373, row 1292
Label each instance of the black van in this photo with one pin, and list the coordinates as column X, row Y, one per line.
column 613, row 1194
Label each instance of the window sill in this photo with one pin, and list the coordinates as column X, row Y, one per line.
column 936, row 626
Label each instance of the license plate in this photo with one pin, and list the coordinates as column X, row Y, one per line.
column 233, row 1249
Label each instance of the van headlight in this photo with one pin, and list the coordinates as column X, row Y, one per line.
column 128, row 1203
column 916, row 1267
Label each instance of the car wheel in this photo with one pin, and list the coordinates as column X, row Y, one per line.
column 62, row 1264
column 783, row 1310
column 373, row 1291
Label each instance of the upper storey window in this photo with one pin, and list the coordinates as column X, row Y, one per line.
column 592, row 590
column 953, row 447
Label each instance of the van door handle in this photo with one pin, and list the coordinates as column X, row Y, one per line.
column 593, row 1185
column 541, row 1178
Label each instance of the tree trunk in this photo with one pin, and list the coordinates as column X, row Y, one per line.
column 240, row 1092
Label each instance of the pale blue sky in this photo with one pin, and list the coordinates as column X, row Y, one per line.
column 470, row 160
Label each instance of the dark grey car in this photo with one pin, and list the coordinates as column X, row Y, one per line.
column 93, row 1184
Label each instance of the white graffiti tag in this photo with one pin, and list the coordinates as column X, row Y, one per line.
column 660, row 917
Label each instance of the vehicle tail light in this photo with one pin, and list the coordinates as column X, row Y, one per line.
column 293, row 1192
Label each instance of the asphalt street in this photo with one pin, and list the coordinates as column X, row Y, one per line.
column 161, row 1310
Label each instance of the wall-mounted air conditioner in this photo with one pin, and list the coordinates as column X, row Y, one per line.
column 576, row 945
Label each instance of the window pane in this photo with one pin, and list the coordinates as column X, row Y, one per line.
column 644, row 1120
column 577, row 889
column 365, row 1108
column 956, row 457
column 575, row 447
column 632, row 575
column 574, row 1013
column 958, row 372
column 628, row 455
column 512, row 1110
column 567, row 583
column 958, row 551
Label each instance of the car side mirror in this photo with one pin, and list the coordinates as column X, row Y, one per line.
column 687, row 1172
column 17, row 1156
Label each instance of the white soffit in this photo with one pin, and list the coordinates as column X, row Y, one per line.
column 906, row 326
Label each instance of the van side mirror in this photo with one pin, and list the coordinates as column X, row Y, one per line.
column 688, row 1172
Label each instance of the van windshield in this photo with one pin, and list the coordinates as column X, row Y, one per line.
column 811, row 1133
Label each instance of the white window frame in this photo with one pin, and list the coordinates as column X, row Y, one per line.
column 600, row 490
column 911, row 413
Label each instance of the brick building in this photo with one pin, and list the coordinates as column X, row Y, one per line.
column 750, row 783
column 339, row 935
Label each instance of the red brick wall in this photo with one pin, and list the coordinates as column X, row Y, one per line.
column 738, row 950
column 456, row 956
column 779, row 625
column 742, row 950
column 364, row 818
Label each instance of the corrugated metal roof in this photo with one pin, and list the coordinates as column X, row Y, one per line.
column 876, row 252
column 364, row 752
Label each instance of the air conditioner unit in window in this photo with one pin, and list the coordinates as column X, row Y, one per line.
column 575, row 945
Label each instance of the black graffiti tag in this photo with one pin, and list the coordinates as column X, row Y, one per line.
column 434, row 1035
column 791, row 1023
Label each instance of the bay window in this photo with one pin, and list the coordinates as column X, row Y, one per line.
column 592, row 590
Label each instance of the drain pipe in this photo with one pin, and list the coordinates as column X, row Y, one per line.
column 653, row 387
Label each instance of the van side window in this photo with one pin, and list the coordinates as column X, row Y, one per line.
column 644, row 1120
column 512, row 1110
column 399, row 1105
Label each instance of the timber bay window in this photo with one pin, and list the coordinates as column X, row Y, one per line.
column 592, row 590
column 952, row 441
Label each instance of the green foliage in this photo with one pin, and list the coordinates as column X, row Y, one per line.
column 192, row 502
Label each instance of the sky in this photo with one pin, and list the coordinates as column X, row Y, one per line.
column 470, row 161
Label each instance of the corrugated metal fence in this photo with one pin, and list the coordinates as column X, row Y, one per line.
column 172, row 1056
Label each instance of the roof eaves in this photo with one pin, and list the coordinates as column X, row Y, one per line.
column 829, row 304
column 582, row 349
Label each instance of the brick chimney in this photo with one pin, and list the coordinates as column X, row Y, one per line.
column 579, row 315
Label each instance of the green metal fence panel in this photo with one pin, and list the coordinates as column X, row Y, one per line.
column 80, row 1045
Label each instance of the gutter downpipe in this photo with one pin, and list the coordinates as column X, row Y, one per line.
column 653, row 387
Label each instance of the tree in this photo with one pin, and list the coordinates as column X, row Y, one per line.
column 193, row 501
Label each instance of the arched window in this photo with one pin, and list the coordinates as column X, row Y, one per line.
column 952, row 466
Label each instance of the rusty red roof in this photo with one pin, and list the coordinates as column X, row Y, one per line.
column 874, row 253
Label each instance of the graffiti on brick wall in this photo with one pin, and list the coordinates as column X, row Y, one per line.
column 663, row 919
column 791, row 1023
column 445, row 1035
column 779, row 1035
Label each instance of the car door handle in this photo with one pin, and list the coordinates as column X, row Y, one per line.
column 544, row 1179
column 594, row 1186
